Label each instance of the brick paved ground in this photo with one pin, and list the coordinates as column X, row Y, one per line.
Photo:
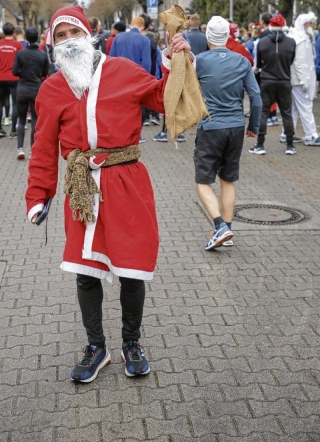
column 232, row 335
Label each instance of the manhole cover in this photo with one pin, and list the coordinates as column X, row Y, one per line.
column 267, row 214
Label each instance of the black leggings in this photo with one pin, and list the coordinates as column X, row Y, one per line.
column 6, row 88
column 90, row 296
column 23, row 104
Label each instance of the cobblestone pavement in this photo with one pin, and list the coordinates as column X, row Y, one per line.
column 232, row 335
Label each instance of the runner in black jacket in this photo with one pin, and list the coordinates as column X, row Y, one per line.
column 31, row 65
column 275, row 54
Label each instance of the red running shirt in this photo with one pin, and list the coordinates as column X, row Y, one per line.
column 8, row 50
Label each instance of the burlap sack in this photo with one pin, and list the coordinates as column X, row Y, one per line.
column 183, row 102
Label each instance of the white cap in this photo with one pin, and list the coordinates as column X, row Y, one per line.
column 217, row 31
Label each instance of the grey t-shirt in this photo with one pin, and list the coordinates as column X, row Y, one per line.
column 223, row 77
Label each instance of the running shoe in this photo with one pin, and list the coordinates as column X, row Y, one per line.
column 161, row 136
column 155, row 121
column 219, row 236
column 93, row 360
column 13, row 135
column 134, row 359
column 21, row 155
column 258, row 149
column 283, row 139
column 290, row 150
column 312, row 142
column 181, row 138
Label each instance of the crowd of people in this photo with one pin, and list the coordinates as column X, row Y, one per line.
column 147, row 52
column 23, row 67
column 76, row 86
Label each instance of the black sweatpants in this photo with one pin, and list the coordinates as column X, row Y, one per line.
column 276, row 92
column 23, row 104
column 90, row 296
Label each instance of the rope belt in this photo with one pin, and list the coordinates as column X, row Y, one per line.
column 79, row 183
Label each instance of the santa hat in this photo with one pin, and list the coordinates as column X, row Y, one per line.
column 277, row 22
column 70, row 14
column 234, row 30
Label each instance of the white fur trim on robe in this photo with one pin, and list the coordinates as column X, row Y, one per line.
column 87, row 252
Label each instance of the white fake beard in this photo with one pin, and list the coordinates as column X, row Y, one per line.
column 309, row 31
column 76, row 64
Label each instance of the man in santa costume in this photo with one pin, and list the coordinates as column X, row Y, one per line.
column 110, row 218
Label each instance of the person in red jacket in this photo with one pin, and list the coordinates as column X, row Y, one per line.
column 234, row 45
column 8, row 82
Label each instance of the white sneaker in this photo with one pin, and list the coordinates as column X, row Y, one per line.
column 21, row 155
column 6, row 122
column 290, row 150
column 312, row 142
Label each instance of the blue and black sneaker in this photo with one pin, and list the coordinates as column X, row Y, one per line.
column 181, row 138
column 134, row 359
column 93, row 360
column 219, row 237
column 258, row 149
column 161, row 136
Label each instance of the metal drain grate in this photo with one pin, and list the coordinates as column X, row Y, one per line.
column 297, row 216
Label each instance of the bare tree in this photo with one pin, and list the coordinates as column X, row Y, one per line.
column 31, row 13
column 105, row 9
column 12, row 8
column 45, row 9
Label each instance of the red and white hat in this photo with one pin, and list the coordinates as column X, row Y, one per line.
column 277, row 22
column 70, row 14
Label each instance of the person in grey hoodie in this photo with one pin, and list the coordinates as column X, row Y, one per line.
column 275, row 54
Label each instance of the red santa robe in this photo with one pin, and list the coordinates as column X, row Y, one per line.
column 124, row 239
column 235, row 46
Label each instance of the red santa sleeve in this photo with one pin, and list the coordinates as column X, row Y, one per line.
column 148, row 90
column 43, row 164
